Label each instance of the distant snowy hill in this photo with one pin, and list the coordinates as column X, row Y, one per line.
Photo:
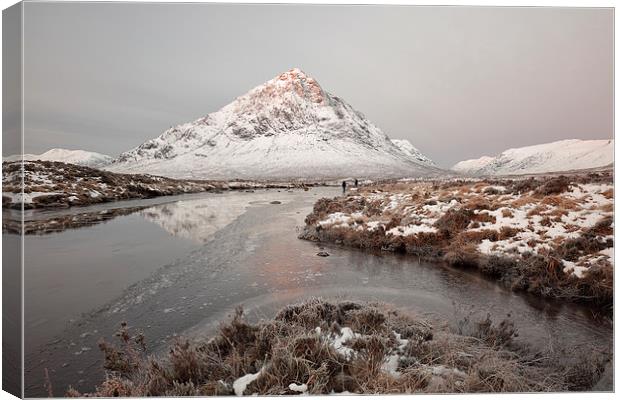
column 564, row 155
column 288, row 127
column 410, row 150
column 78, row 157
column 472, row 166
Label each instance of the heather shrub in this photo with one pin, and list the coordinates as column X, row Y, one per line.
column 454, row 220
column 478, row 236
column 506, row 232
column 524, row 186
column 556, row 185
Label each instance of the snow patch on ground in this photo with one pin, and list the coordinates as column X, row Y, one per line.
column 411, row 230
column 346, row 334
column 609, row 253
column 27, row 197
column 303, row 388
column 391, row 364
column 571, row 267
column 241, row 383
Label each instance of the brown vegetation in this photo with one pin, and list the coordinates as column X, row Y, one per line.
column 460, row 228
column 297, row 347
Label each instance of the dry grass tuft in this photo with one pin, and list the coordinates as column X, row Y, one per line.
column 507, row 213
column 609, row 193
column 562, row 202
column 507, row 232
column 475, row 237
column 462, row 255
column 523, row 200
column 483, row 217
column 479, row 203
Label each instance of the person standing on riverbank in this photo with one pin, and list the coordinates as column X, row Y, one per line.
column 344, row 186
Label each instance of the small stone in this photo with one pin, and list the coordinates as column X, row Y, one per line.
column 276, row 202
column 322, row 254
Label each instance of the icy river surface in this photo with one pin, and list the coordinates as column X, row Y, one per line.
column 181, row 264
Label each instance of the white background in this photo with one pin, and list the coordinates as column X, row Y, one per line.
column 558, row 3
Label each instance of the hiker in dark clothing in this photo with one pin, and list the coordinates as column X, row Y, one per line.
column 344, row 186
column 355, row 182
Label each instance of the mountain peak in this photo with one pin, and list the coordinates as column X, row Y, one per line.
column 287, row 127
column 292, row 82
column 294, row 74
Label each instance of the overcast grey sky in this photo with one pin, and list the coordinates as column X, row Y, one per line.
column 458, row 82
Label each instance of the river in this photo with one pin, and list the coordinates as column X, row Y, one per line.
column 182, row 264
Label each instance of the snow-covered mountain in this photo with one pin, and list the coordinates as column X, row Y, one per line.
column 473, row 165
column 410, row 150
column 288, row 127
column 78, row 157
column 564, row 155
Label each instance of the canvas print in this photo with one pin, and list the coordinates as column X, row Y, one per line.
column 297, row 199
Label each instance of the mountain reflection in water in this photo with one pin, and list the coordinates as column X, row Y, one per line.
column 199, row 219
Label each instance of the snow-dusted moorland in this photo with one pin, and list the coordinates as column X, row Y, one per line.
column 50, row 184
column 549, row 236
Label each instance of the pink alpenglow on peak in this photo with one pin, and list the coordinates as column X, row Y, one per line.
column 293, row 83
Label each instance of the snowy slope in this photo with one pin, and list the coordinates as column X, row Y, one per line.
column 288, row 127
column 410, row 150
column 473, row 165
column 78, row 157
column 564, row 155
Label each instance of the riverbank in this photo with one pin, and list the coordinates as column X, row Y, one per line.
column 62, row 223
column 49, row 184
column 319, row 347
column 551, row 236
